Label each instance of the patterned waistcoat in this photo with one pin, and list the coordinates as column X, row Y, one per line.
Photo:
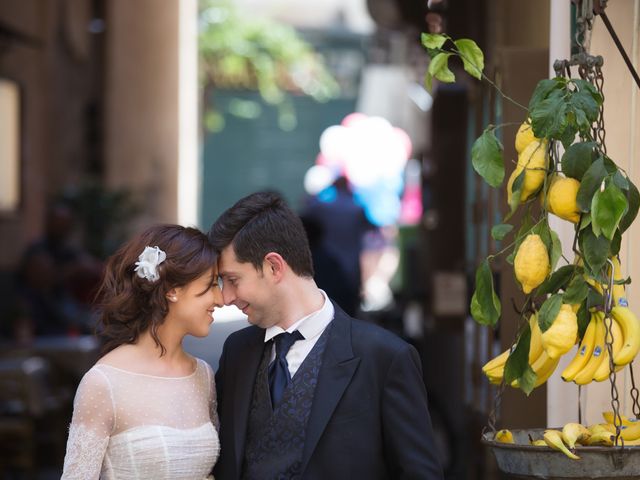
column 275, row 438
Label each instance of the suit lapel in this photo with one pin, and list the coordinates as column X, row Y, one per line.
column 247, row 368
column 338, row 367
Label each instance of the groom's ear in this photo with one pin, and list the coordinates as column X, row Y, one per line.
column 274, row 263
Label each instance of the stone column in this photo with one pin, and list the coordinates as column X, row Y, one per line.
column 148, row 85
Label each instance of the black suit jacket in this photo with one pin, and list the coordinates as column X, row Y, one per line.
column 369, row 417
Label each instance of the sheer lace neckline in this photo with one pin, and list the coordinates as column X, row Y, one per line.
column 183, row 377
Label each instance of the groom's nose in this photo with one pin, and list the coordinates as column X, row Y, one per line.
column 228, row 296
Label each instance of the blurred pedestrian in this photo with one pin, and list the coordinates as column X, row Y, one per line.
column 338, row 225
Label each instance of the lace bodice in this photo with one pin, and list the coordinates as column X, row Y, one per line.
column 130, row 426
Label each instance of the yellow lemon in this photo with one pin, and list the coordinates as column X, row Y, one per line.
column 534, row 161
column 524, row 136
column 504, row 436
column 531, row 263
column 560, row 337
column 562, row 198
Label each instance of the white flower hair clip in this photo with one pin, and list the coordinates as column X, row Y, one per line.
column 148, row 261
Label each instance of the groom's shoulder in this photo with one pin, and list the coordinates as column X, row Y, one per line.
column 244, row 336
column 367, row 335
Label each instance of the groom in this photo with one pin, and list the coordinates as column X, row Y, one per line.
column 308, row 392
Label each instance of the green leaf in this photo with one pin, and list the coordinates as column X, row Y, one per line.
column 544, row 231
column 577, row 291
column 568, row 134
column 594, row 299
column 432, row 40
column 428, row 81
column 498, row 232
column 472, row 57
column 556, row 249
column 609, row 165
column 633, row 199
column 527, row 381
column 518, row 361
column 590, row 183
column 544, row 88
column 582, row 122
column 616, row 241
column 582, row 100
column 516, row 191
column 607, row 208
column 595, row 249
column 586, row 87
column 486, row 157
column 548, row 118
column 585, row 221
column 577, row 159
column 620, row 181
column 558, row 280
column 439, row 68
column 583, row 319
column 587, row 98
column 549, row 311
column 485, row 305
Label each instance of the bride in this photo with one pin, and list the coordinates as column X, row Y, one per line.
column 147, row 409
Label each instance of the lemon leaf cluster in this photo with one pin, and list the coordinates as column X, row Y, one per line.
column 465, row 49
column 582, row 186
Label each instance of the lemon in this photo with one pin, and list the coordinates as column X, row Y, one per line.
column 560, row 337
column 504, row 436
column 533, row 160
column 531, row 263
column 524, row 137
column 562, row 198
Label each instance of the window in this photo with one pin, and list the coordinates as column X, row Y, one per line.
column 9, row 146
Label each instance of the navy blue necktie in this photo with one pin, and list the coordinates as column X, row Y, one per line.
column 279, row 375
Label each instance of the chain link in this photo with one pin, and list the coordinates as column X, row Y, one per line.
column 608, row 340
column 584, row 24
column 600, row 133
column 634, row 393
column 491, row 422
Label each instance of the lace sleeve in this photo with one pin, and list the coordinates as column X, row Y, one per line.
column 213, row 401
column 91, row 426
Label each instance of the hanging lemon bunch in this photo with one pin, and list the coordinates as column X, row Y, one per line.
column 564, row 301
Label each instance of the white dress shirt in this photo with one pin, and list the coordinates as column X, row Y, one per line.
column 311, row 327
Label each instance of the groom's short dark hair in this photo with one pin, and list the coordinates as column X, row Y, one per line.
column 261, row 223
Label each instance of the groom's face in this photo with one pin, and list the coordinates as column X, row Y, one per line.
column 246, row 287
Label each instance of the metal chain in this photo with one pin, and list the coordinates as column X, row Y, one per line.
column 584, row 24
column 608, row 340
column 491, row 422
column 599, row 131
column 634, row 393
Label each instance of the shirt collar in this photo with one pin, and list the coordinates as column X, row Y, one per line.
column 309, row 325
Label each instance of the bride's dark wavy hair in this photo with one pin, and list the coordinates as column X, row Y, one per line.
column 129, row 305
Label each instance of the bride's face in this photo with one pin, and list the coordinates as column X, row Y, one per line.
column 195, row 303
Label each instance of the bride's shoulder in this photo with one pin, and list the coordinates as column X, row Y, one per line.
column 203, row 367
column 120, row 357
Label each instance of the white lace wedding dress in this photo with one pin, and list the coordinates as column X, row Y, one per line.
column 129, row 426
